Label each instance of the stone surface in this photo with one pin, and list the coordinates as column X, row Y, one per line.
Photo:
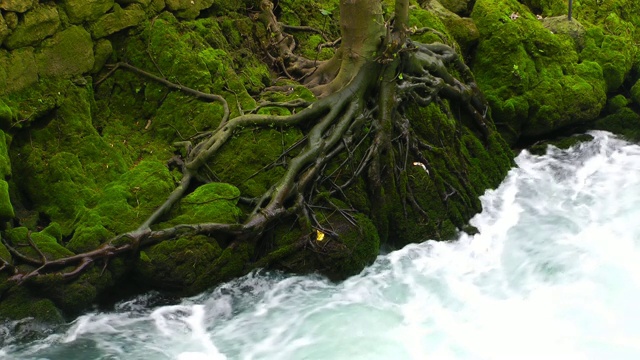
column 635, row 92
column 38, row 24
column 460, row 7
column 102, row 51
column 67, row 53
column 118, row 20
column 4, row 29
column 16, row 5
column 144, row 3
column 17, row 70
column 560, row 25
column 11, row 19
column 188, row 9
column 86, row 10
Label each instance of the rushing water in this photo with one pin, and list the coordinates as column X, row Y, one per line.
column 553, row 274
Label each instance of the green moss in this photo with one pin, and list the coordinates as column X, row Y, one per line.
column 4, row 253
column 79, row 11
column 18, row 74
column 178, row 264
column 213, row 202
column 616, row 103
column 534, row 79
column 254, row 166
column 6, row 114
column 37, row 24
column 635, row 92
column 47, row 243
column 117, row 20
column 20, row 304
column 625, row 122
column 562, row 143
column 68, row 53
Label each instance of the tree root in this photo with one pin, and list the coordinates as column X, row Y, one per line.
column 340, row 122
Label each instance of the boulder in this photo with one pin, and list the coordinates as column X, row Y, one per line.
column 86, row 10
column 4, row 29
column 188, row 9
column 117, row 20
column 39, row 23
column 17, row 70
column 67, row 53
column 17, row 5
column 11, row 19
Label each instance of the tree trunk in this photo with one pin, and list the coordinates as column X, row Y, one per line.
column 363, row 30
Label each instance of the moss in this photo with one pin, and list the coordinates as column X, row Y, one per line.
column 463, row 30
column 254, row 166
column 534, row 79
column 20, row 304
column 625, row 122
column 213, row 202
column 79, row 11
column 4, row 253
column 362, row 248
column 47, row 243
column 178, row 264
column 37, row 24
column 6, row 209
column 6, row 114
column 18, row 66
column 420, row 18
column 73, row 297
column 102, row 51
column 68, row 53
column 562, row 143
column 635, row 92
column 616, row 103
column 117, row 20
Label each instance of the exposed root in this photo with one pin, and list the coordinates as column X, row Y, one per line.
column 340, row 122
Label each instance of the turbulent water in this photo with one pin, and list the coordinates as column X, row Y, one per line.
column 553, row 274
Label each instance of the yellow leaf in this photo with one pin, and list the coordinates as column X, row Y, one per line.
column 319, row 235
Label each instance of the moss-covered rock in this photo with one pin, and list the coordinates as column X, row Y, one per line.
column 616, row 103
column 356, row 246
column 532, row 77
column 178, row 265
column 48, row 241
column 68, row 53
column 540, row 148
column 6, row 114
column 18, row 67
column 188, row 9
column 625, row 122
column 460, row 7
column 79, row 11
column 37, row 24
column 102, row 51
column 20, row 303
column 209, row 203
column 4, row 29
column 11, row 19
column 635, row 92
column 117, row 20
column 19, row 6
column 464, row 30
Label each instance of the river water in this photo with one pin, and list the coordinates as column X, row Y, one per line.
column 553, row 274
